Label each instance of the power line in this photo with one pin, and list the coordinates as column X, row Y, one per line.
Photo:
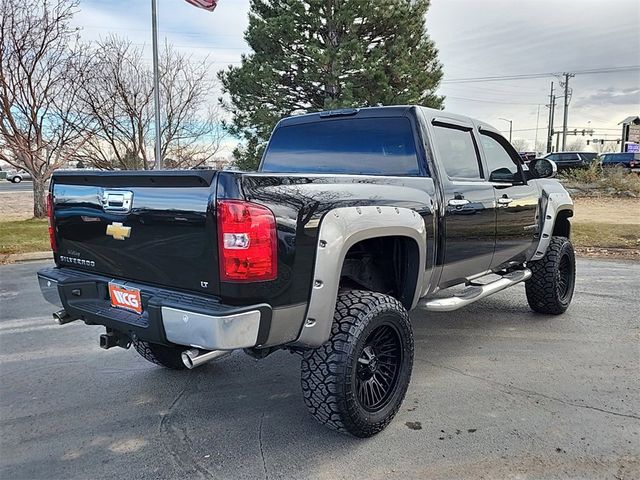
column 527, row 76
column 488, row 101
column 531, row 129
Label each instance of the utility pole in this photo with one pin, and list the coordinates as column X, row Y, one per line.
column 567, row 76
column 552, row 109
column 510, row 126
column 535, row 141
column 156, row 83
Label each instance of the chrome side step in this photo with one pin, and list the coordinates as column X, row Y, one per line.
column 475, row 292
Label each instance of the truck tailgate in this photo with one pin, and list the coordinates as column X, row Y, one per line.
column 152, row 227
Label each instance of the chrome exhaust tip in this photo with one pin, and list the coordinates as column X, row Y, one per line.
column 195, row 357
column 61, row 317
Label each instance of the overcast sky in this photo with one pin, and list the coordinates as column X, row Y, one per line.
column 476, row 38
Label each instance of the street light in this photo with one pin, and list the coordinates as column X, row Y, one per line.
column 510, row 126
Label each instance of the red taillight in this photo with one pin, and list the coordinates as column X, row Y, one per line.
column 52, row 233
column 247, row 242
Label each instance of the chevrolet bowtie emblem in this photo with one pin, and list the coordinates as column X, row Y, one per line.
column 118, row 231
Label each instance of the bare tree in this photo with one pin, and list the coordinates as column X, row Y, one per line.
column 38, row 89
column 606, row 147
column 520, row 144
column 541, row 147
column 117, row 95
column 577, row 145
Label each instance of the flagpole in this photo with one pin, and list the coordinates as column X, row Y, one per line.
column 156, row 84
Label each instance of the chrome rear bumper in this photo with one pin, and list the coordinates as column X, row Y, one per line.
column 211, row 332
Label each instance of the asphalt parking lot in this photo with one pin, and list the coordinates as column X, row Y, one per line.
column 497, row 392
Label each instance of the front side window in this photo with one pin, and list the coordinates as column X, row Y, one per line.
column 359, row 146
column 501, row 166
column 458, row 152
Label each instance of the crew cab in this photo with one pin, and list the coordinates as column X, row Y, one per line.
column 354, row 218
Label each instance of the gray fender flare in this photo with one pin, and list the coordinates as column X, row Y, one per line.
column 556, row 202
column 340, row 229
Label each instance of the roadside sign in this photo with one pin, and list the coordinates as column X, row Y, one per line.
column 633, row 147
column 634, row 134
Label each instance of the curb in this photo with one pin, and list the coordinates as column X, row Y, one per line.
column 25, row 257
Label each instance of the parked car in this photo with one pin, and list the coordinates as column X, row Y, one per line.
column 354, row 218
column 627, row 160
column 567, row 160
column 528, row 156
column 18, row 176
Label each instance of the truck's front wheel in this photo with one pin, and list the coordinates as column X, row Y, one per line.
column 169, row 357
column 356, row 382
column 550, row 288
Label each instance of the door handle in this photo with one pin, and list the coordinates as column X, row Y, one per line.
column 505, row 200
column 458, row 202
column 117, row 201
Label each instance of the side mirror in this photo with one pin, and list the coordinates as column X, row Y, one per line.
column 501, row 175
column 542, row 168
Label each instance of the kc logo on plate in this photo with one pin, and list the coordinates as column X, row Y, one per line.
column 126, row 298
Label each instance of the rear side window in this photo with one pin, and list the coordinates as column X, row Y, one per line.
column 458, row 152
column 363, row 146
column 568, row 157
column 617, row 157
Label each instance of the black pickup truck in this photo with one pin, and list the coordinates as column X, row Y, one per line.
column 354, row 218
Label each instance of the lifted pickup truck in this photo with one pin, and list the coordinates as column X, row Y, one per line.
column 354, row 218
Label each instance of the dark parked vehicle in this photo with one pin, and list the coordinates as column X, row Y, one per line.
column 354, row 218
column 627, row 160
column 528, row 156
column 568, row 160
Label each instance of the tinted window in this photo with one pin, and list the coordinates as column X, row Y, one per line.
column 458, row 152
column 500, row 164
column 367, row 146
column 568, row 157
column 553, row 156
column 617, row 157
column 588, row 156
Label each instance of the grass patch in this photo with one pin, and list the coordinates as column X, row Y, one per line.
column 24, row 236
column 605, row 235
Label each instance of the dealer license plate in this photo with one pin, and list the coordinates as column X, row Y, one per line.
column 127, row 298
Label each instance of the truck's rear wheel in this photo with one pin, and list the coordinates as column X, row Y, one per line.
column 356, row 382
column 169, row 357
column 550, row 288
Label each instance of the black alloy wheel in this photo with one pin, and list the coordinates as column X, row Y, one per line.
column 565, row 278
column 377, row 368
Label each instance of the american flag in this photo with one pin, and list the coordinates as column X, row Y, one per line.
column 209, row 5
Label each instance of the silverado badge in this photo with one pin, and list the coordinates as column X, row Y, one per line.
column 118, row 231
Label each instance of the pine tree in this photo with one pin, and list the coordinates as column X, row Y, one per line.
column 311, row 55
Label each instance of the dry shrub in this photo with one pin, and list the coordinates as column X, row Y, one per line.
column 611, row 177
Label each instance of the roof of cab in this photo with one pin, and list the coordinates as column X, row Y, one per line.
column 382, row 111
